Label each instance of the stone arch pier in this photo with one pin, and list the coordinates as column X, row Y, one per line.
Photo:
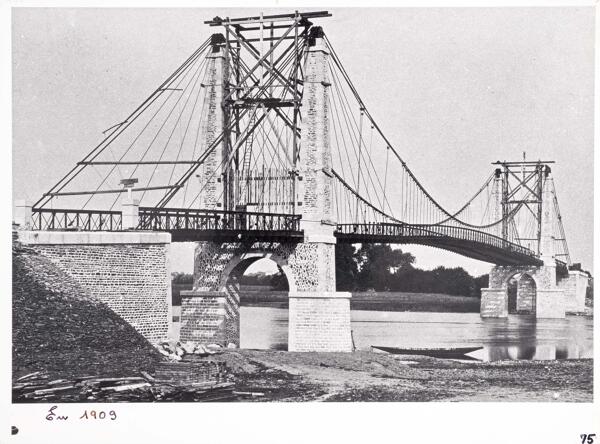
column 319, row 317
column 521, row 294
column 537, row 292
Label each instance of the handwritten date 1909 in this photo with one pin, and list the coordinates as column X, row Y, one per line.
column 101, row 414
column 87, row 414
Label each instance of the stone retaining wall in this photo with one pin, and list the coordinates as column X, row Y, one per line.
column 60, row 328
column 129, row 272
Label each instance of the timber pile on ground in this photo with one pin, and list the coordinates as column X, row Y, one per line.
column 199, row 382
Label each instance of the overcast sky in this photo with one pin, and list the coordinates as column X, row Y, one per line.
column 453, row 89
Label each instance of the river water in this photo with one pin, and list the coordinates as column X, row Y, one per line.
column 517, row 337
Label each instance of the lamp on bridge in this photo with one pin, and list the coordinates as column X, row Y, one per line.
column 128, row 184
column 130, row 206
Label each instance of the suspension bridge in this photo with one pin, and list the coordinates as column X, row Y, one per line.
column 259, row 145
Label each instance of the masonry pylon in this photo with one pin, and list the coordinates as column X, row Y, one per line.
column 547, row 300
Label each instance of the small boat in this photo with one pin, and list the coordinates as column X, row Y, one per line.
column 455, row 352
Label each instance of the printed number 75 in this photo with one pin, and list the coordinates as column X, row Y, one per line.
column 587, row 439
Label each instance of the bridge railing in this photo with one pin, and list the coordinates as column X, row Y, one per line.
column 164, row 219
column 76, row 220
column 169, row 219
column 420, row 231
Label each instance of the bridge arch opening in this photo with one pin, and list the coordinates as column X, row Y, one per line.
column 522, row 294
column 259, row 287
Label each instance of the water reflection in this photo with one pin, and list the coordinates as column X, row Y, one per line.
column 517, row 337
column 535, row 352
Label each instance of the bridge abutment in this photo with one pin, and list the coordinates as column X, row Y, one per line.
column 526, row 294
column 575, row 287
column 128, row 271
column 23, row 214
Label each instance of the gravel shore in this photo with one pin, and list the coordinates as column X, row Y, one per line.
column 368, row 376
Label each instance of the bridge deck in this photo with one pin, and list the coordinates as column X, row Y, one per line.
column 471, row 243
column 235, row 226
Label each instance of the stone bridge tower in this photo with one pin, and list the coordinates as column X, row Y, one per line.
column 319, row 317
column 540, row 290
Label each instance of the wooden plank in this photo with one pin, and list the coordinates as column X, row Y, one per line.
column 30, row 375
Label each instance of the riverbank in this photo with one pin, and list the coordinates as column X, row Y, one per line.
column 266, row 375
column 369, row 376
column 377, row 301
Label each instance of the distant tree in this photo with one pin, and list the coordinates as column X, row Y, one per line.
column 257, row 278
column 279, row 281
column 182, row 278
column 381, row 268
column 346, row 269
column 482, row 281
column 377, row 265
column 454, row 281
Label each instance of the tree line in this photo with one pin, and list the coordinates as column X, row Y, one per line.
column 376, row 267
column 379, row 267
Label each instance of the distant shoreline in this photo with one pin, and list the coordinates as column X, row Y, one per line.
column 376, row 301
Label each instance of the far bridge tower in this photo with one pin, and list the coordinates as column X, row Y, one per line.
column 548, row 288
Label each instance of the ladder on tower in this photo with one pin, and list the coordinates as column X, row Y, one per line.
column 249, row 141
column 245, row 177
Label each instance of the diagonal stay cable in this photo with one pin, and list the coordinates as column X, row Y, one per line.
column 145, row 127
column 119, row 128
column 197, row 77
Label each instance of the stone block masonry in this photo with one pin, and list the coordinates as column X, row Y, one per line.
column 494, row 303
column 320, row 321
column 538, row 289
column 59, row 327
column 526, row 295
column 129, row 272
column 209, row 317
column 575, row 287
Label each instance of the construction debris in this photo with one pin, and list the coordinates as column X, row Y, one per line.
column 191, row 372
column 30, row 375
column 173, row 381
column 251, row 394
column 176, row 350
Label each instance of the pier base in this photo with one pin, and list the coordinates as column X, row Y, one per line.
column 319, row 321
column 537, row 292
column 209, row 317
column 494, row 303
